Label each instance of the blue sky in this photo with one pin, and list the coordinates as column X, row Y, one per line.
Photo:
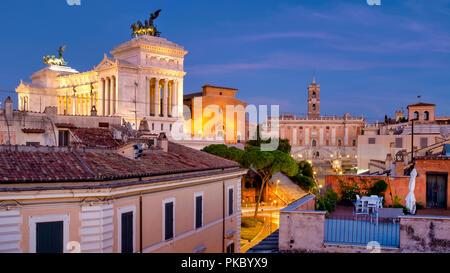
column 369, row 60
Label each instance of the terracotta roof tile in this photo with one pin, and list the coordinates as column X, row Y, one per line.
column 95, row 137
column 56, row 166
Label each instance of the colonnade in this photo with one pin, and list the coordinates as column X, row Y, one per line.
column 77, row 104
column 108, row 96
column 163, row 97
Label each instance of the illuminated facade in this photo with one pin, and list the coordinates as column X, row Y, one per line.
column 142, row 81
column 216, row 114
column 321, row 137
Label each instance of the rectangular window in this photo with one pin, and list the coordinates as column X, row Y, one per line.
column 127, row 232
column 230, row 248
column 399, row 142
column 49, row 237
column 230, row 201
column 162, row 126
column 168, row 220
column 423, row 142
column 63, row 137
column 372, row 140
column 198, row 211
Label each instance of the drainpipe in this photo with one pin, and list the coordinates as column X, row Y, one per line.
column 223, row 217
column 140, row 223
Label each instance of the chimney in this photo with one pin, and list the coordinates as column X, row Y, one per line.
column 9, row 108
column 163, row 142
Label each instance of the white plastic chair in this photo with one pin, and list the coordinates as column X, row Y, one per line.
column 380, row 202
column 360, row 206
column 372, row 204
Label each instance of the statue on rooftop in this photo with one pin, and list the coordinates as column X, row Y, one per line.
column 53, row 60
column 148, row 28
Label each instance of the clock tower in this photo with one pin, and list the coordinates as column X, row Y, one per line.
column 314, row 100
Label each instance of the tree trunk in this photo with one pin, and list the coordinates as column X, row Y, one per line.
column 264, row 180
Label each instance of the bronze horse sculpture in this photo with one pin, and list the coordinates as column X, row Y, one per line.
column 148, row 28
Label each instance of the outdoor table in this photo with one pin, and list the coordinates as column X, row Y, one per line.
column 365, row 200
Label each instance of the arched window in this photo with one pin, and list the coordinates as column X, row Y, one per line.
column 339, row 142
column 314, row 94
column 314, row 107
column 426, row 115
column 314, row 143
column 416, row 115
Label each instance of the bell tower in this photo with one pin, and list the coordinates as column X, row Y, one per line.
column 314, row 99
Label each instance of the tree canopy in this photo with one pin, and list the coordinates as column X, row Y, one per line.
column 264, row 163
column 222, row 150
column 304, row 168
column 283, row 144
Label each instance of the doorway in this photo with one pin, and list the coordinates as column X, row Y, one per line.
column 436, row 190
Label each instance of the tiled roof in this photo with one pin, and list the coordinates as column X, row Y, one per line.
column 422, row 104
column 193, row 95
column 95, row 137
column 57, row 166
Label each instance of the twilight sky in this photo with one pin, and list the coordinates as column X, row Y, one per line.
column 369, row 60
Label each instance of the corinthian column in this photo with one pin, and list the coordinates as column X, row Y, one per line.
column 156, row 99
column 165, row 97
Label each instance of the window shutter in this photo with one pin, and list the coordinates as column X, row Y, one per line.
column 399, row 142
column 49, row 237
column 198, row 211
column 127, row 232
column 168, row 221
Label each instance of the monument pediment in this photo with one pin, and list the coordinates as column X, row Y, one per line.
column 105, row 64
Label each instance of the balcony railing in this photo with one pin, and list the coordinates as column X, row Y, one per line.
column 362, row 229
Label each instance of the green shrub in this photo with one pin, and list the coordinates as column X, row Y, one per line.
column 331, row 195
column 328, row 202
column 420, row 205
column 378, row 188
column 305, row 169
column 397, row 204
column 305, row 182
column 349, row 192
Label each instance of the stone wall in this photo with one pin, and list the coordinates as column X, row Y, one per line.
column 301, row 230
column 424, row 234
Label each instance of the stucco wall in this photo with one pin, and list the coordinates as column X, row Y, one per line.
column 424, row 234
column 95, row 224
column 399, row 185
column 301, row 230
column 430, row 166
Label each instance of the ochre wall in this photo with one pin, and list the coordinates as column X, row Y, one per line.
column 430, row 166
column 399, row 185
